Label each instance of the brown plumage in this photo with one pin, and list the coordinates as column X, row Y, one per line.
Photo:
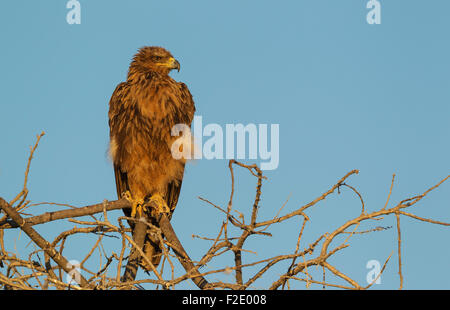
column 142, row 112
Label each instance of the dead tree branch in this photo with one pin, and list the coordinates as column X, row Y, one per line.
column 27, row 271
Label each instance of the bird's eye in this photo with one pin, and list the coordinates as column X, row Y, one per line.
column 157, row 58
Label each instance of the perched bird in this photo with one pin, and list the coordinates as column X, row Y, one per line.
column 142, row 112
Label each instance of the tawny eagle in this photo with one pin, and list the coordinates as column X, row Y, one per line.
column 142, row 112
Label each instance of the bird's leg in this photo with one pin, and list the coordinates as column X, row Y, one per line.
column 158, row 204
column 137, row 205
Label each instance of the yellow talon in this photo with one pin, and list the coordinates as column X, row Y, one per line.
column 159, row 205
column 137, row 208
column 127, row 195
column 137, row 205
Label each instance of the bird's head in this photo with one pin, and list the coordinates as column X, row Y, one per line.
column 155, row 59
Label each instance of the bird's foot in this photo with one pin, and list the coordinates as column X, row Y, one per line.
column 137, row 205
column 158, row 204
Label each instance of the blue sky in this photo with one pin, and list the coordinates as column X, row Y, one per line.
column 346, row 95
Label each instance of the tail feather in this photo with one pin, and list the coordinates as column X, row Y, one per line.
column 153, row 251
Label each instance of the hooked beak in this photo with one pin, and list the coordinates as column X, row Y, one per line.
column 173, row 64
